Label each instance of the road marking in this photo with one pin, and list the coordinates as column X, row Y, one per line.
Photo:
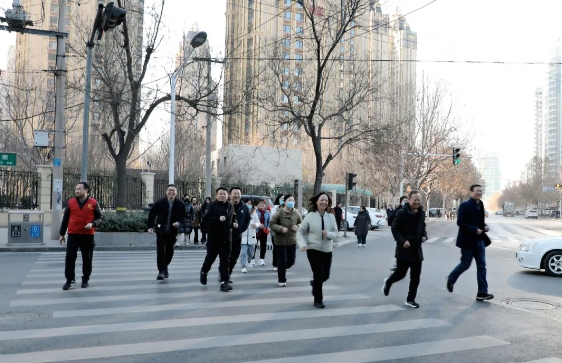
column 450, row 239
column 120, row 350
column 433, row 239
column 546, row 360
column 512, row 239
column 126, row 261
column 525, row 238
column 111, row 271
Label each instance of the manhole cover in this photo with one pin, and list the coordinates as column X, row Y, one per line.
column 529, row 304
column 10, row 318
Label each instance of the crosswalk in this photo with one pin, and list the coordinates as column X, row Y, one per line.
column 128, row 316
column 514, row 240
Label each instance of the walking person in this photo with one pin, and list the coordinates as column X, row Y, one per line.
column 81, row 217
column 362, row 225
column 316, row 235
column 170, row 214
column 196, row 224
column 403, row 200
column 203, row 227
column 408, row 229
column 184, row 232
column 472, row 240
column 263, row 230
column 243, row 220
column 249, row 237
column 338, row 212
column 219, row 219
column 285, row 223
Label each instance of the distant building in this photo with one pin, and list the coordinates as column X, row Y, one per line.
column 489, row 167
column 539, row 125
column 553, row 109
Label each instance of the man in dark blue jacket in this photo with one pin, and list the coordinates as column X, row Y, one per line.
column 243, row 219
column 471, row 240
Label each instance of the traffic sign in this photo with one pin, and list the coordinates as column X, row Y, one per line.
column 8, row 159
column 56, row 162
column 35, row 231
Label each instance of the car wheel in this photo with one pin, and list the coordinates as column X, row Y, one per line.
column 553, row 263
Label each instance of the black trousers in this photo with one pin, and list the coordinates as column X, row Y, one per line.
column 234, row 253
column 222, row 250
column 262, row 238
column 196, row 238
column 402, row 267
column 286, row 256
column 86, row 244
column 338, row 222
column 320, row 263
column 164, row 250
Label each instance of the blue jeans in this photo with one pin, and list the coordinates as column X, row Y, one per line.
column 478, row 252
column 246, row 254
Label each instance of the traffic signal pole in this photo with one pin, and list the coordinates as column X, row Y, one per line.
column 345, row 207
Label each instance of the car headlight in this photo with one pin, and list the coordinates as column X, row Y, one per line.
column 527, row 247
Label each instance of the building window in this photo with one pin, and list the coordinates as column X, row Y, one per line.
column 52, row 57
column 53, row 20
column 298, row 85
column 286, row 28
column 285, row 71
column 299, row 5
column 342, row 49
column 287, row 15
column 298, row 44
column 288, row 2
column 285, row 84
column 352, row 32
column 352, row 49
column 54, row 8
column 53, row 44
column 286, row 56
column 298, row 57
column 286, row 42
column 285, row 99
column 300, row 30
column 300, row 17
column 297, row 99
column 352, row 41
column 298, row 72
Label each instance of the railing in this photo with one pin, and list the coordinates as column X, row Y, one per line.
column 18, row 189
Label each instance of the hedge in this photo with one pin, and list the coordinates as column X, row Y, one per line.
column 123, row 222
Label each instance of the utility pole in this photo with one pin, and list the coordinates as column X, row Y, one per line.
column 345, row 207
column 60, row 124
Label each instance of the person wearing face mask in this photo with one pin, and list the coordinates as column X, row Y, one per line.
column 206, row 203
column 408, row 229
column 264, row 216
column 184, row 232
column 403, row 200
column 196, row 224
column 249, row 237
column 285, row 223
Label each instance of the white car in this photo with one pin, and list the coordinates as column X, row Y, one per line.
column 542, row 253
column 378, row 217
column 349, row 217
column 531, row 214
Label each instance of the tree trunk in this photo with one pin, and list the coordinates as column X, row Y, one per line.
column 121, row 166
column 319, row 172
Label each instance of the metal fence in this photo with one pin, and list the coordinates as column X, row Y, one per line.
column 18, row 189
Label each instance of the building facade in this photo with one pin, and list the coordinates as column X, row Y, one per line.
column 539, row 125
column 553, row 110
column 489, row 168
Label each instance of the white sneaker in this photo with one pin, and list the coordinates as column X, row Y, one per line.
column 274, row 268
column 262, row 263
column 281, row 284
column 252, row 263
column 244, row 270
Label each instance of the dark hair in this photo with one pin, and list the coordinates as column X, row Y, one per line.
column 338, row 203
column 220, row 188
column 313, row 207
column 412, row 193
column 287, row 196
column 402, row 198
column 186, row 196
column 85, row 185
column 261, row 200
column 363, row 207
column 474, row 186
column 234, row 188
column 171, row 185
column 277, row 199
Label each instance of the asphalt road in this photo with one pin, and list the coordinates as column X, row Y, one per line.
column 128, row 316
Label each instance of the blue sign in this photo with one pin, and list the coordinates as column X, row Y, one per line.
column 56, row 162
column 35, row 231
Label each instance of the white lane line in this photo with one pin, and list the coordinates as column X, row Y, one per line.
column 450, row 239
column 201, row 305
column 105, row 271
column 546, row 360
column 433, row 239
column 120, row 268
column 96, row 261
column 395, row 352
column 120, row 350
column 525, row 238
column 158, row 286
column 191, row 322
column 513, row 239
column 158, row 296
column 127, row 253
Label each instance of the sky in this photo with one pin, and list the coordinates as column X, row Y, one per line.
column 494, row 100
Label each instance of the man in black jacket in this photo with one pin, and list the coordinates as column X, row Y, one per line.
column 408, row 229
column 338, row 212
column 470, row 240
column 170, row 213
column 219, row 220
column 243, row 219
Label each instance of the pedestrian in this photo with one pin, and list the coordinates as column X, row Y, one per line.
column 316, row 235
column 219, row 219
column 389, row 211
column 196, row 224
column 285, row 223
column 362, row 225
column 184, row 232
column 170, row 214
column 81, row 217
column 408, row 229
column 263, row 231
column 249, row 237
column 338, row 212
column 202, row 226
column 390, row 217
column 243, row 220
column 472, row 240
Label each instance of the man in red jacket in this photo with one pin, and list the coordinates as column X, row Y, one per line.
column 81, row 216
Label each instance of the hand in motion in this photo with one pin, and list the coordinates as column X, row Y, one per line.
column 222, row 218
column 406, row 244
column 284, row 230
column 88, row 226
column 303, row 249
column 479, row 231
column 424, row 239
column 295, row 228
column 61, row 240
column 150, row 230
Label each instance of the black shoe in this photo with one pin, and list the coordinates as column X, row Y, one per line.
column 225, row 287
column 166, row 274
column 220, row 280
column 449, row 285
column 85, row 284
column 412, row 304
column 319, row 305
column 385, row 287
column 482, row 297
column 203, row 278
column 312, row 283
column 160, row 275
column 69, row 285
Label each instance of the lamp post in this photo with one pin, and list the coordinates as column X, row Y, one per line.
column 197, row 41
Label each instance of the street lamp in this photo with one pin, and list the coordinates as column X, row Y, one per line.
column 197, row 41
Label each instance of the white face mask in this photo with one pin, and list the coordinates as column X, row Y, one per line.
column 404, row 203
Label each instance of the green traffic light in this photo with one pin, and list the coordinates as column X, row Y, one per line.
column 457, row 161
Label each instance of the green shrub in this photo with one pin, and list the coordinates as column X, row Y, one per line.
column 123, row 222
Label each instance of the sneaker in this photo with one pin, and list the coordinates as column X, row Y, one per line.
column 484, row 296
column 274, row 268
column 281, row 284
column 359, row 245
column 69, row 285
column 244, row 270
column 225, row 287
column 319, row 305
column 449, row 285
column 160, row 275
column 85, row 284
column 412, row 304
column 262, row 263
column 166, row 274
column 203, row 278
column 252, row 263
column 385, row 287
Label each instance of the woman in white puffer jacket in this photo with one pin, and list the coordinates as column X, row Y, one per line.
column 249, row 238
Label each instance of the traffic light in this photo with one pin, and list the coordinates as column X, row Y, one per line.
column 350, row 182
column 456, row 156
column 112, row 16
column 557, row 186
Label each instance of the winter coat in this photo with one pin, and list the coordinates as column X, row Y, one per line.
column 470, row 219
column 160, row 210
column 249, row 237
column 188, row 225
column 310, row 232
column 272, row 213
column 362, row 224
column 196, row 216
column 390, row 216
column 204, row 207
column 283, row 219
column 219, row 231
column 409, row 226
column 266, row 222
column 242, row 217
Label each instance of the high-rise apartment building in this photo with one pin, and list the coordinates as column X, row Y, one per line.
column 553, row 110
column 539, row 126
column 489, row 167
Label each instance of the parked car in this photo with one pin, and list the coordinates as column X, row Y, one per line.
column 349, row 217
column 256, row 198
column 531, row 214
column 378, row 217
column 542, row 253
